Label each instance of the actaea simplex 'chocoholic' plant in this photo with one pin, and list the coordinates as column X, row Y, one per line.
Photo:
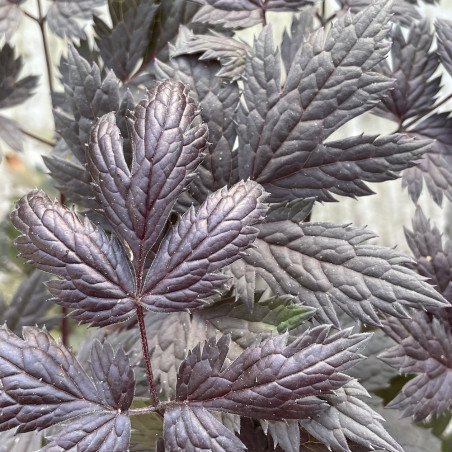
column 222, row 318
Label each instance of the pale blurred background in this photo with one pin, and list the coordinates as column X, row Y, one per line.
column 385, row 212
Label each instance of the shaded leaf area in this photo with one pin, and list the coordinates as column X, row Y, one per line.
column 171, row 16
column 87, row 97
column 200, row 243
column 10, row 17
column 302, row 25
column 372, row 373
column 254, row 437
column 242, row 13
column 434, row 169
column 349, row 419
column 404, row 11
column 29, row 304
column 410, row 436
column 64, row 16
column 194, row 428
column 96, row 278
column 96, row 432
column 43, row 384
column 444, row 37
column 172, row 336
column 166, row 151
column 413, row 66
column 270, row 379
column 424, row 348
column 230, row 52
column 10, row 442
column 281, row 134
column 123, row 45
column 218, row 104
column 328, row 266
column 13, row 91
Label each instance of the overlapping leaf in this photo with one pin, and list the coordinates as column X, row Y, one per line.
column 43, row 384
column 413, row 65
column 270, row 379
column 435, row 167
column 64, row 16
column 424, row 348
column 10, row 17
column 122, row 46
column 193, row 428
column 96, row 278
column 349, row 419
column 166, row 151
column 327, row 266
column 444, row 32
column 218, row 105
column 281, row 134
column 29, row 304
column 200, row 243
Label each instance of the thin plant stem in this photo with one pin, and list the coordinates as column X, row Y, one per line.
column 35, row 137
column 147, row 360
column 41, row 22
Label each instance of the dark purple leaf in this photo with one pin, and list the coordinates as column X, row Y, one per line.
column 281, row 133
column 42, row 383
column 234, row 5
column 192, row 429
column 99, row 432
column 270, row 379
column 218, row 105
column 166, row 151
column 122, row 46
column 435, row 167
column 10, row 17
column 327, row 265
column 412, row 67
column 349, row 419
column 444, row 32
column 96, row 278
column 63, row 16
column 112, row 376
column 12, row 90
column 200, row 243
column 254, row 437
column 424, row 348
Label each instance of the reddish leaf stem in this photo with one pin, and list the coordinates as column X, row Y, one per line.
column 147, row 360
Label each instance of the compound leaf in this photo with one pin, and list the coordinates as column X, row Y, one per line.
column 166, row 151
column 96, row 278
column 327, row 265
column 270, row 379
column 424, row 348
column 200, row 243
column 122, row 46
column 99, row 432
column 434, row 167
column 63, row 16
column 348, row 418
column 12, row 90
column 280, row 132
column 192, row 428
column 412, row 67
